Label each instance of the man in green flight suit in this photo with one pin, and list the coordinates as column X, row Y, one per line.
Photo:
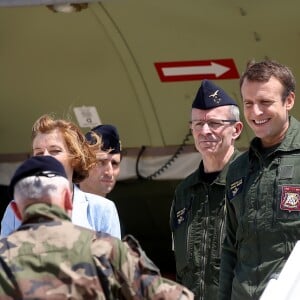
column 263, row 185
column 48, row 257
column 198, row 209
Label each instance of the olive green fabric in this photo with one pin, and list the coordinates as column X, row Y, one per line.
column 197, row 223
column 261, row 232
column 48, row 257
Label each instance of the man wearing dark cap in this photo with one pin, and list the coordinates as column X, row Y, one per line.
column 198, row 209
column 48, row 257
column 102, row 178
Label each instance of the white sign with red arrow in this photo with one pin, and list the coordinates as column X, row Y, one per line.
column 197, row 70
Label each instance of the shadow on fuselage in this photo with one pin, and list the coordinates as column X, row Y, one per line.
column 144, row 210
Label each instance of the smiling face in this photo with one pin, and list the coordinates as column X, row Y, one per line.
column 265, row 111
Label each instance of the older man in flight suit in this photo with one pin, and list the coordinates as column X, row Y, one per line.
column 198, row 209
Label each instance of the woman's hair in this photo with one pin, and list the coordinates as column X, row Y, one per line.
column 82, row 154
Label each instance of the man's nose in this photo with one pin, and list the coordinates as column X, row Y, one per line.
column 257, row 110
column 46, row 152
column 205, row 128
column 108, row 168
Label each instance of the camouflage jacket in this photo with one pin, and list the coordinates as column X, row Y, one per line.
column 48, row 257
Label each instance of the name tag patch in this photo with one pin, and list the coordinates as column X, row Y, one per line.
column 235, row 188
column 290, row 198
column 181, row 216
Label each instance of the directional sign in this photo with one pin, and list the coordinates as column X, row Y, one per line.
column 197, row 70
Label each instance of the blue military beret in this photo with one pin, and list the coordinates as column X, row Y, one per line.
column 210, row 96
column 37, row 166
column 110, row 138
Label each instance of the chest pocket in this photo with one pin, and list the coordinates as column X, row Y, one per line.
column 198, row 232
column 288, row 188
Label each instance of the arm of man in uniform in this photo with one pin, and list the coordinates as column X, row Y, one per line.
column 172, row 228
column 132, row 274
column 229, row 254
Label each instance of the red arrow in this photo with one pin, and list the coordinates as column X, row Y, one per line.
column 197, row 70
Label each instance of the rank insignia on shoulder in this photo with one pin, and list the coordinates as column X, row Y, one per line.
column 235, row 188
column 290, row 198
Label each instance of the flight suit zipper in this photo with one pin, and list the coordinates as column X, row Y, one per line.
column 202, row 267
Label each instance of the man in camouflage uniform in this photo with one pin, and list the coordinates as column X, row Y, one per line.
column 198, row 209
column 48, row 257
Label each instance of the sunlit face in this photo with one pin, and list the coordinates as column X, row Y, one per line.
column 102, row 178
column 264, row 110
column 214, row 137
column 53, row 144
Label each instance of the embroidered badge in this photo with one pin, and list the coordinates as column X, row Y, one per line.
column 181, row 216
column 290, row 198
column 235, row 188
column 215, row 97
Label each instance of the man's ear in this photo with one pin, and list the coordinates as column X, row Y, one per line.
column 68, row 204
column 290, row 100
column 238, row 127
column 16, row 209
